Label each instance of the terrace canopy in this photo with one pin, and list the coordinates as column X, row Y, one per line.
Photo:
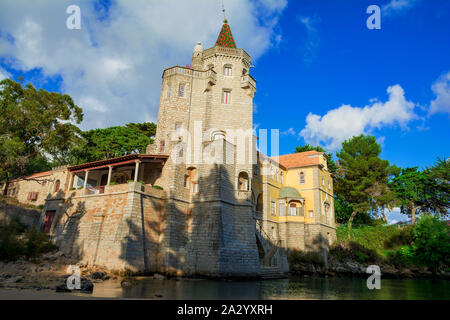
column 145, row 168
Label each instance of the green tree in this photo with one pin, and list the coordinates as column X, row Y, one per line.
column 331, row 164
column 422, row 191
column 431, row 242
column 147, row 128
column 32, row 123
column 361, row 179
column 343, row 211
column 110, row 143
column 438, row 199
column 410, row 189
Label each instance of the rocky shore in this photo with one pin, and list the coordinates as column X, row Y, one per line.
column 336, row 268
column 49, row 273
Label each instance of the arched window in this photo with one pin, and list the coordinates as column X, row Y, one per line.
column 326, row 210
column 191, row 180
column 260, row 205
column 218, row 135
column 227, row 70
column 57, row 185
column 301, row 177
column 243, row 184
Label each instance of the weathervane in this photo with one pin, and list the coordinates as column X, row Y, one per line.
column 223, row 10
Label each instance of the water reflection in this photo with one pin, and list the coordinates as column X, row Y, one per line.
column 292, row 288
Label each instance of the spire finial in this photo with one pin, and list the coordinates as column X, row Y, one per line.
column 224, row 17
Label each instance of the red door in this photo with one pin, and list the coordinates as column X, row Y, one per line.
column 48, row 220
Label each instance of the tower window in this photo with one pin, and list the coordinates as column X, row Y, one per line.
column 227, row 71
column 301, row 177
column 281, row 208
column 162, row 146
column 169, row 91
column 57, row 185
column 243, row 181
column 226, row 97
column 273, row 208
column 181, row 90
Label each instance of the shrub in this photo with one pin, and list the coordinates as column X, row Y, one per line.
column 431, row 242
column 16, row 241
column 402, row 257
column 113, row 183
column 37, row 243
column 11, row 247
column 297, row 257
column 371, row 237
column 353, row 251
column 403, row 238
column 157, row 187
column 41, row 206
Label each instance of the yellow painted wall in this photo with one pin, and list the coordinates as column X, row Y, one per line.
column 306, row 190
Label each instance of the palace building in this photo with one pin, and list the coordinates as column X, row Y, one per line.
column 202, row 200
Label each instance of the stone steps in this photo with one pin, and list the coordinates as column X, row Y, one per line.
column 272, row 273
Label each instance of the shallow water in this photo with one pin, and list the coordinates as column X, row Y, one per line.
column 293, row 288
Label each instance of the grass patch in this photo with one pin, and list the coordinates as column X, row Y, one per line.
column 377, row 238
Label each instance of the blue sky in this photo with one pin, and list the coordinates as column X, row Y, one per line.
column 342, row 62
column 322, row 75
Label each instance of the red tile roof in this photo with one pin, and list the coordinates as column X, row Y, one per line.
column 119, row 161
column 301, row 159
column 225, row 38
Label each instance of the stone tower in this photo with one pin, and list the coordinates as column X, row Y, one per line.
column 205, row 125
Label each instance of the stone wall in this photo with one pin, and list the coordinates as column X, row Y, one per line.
column 29, row 217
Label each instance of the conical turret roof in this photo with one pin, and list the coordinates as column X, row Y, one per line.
column 225, row 38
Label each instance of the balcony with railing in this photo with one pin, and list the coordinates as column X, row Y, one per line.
column 247, row 81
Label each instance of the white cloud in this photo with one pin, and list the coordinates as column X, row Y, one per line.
column 312, row 38
column 441, row 89
column 288, row 132
column 346, row 121
column 112, row 67
column 4, row 74
column 395, row 7
column 395, row 215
